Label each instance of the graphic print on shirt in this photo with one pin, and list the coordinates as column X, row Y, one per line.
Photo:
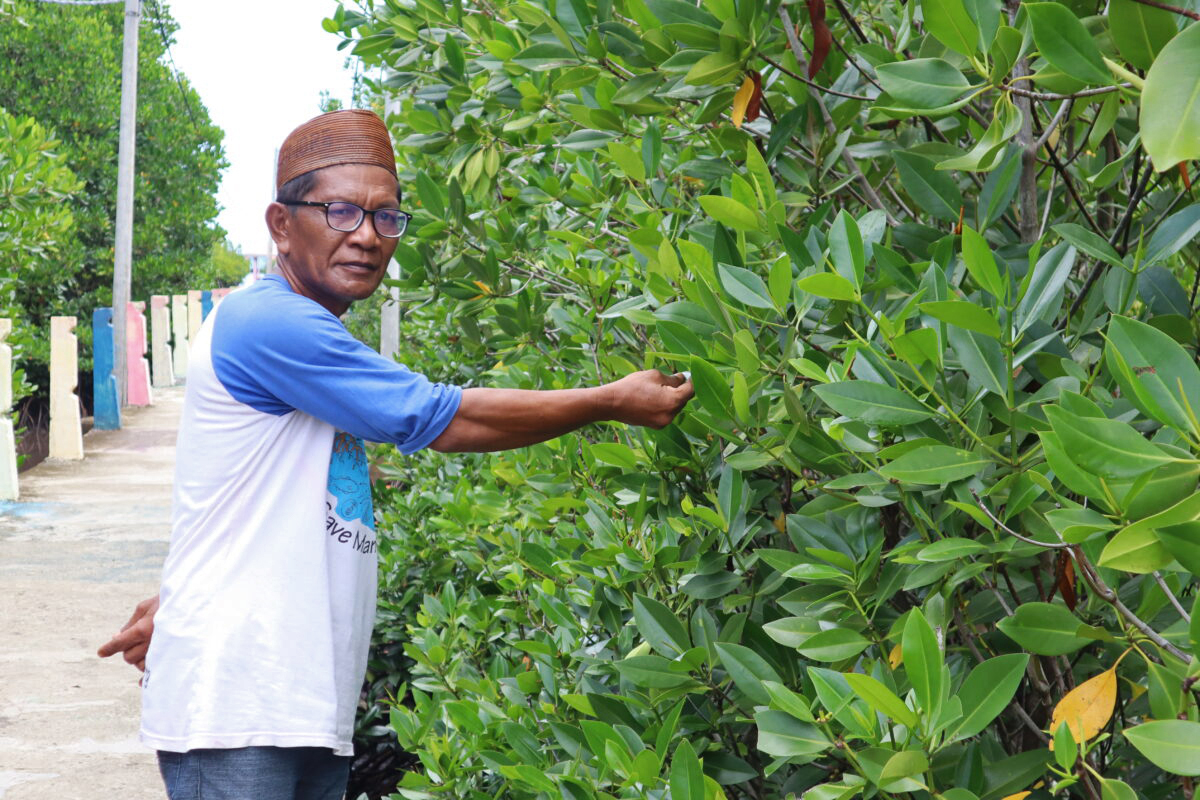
column 350, row 517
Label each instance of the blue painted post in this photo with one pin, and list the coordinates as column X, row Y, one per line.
column 106, row 403
column 205, row 303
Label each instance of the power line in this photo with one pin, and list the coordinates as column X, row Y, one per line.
column 187, row 103
column 81, row 2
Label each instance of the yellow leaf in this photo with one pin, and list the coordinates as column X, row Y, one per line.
column 1018, row 796
column 895, row 657
column 740, row 101
column 483, row 287
column 780, row 524
column 1089, row 706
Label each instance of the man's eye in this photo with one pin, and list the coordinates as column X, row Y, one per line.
column 341, row 212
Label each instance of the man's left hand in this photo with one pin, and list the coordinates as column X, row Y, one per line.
column 134, row 638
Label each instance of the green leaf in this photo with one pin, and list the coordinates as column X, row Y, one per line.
column 967, row 316
column 1171, row 744
column 748, row 671
column 846, row 249
column 545, row 55
column 978, row 258
column 1170, row 117
column 744, row 286
column 1044, row 628
column 1183, row 543
column 951, row 25
column 784, row 736
column 1111, row 788
column 981, row 358
column 1106, row 447
column 712, row 391
column 828, row 285
column 687, row 779
column 1135, row 550
column 729, row 212
column 935, row 192
column 1065, row 43
column 935, row 464
column 881, row 698
column 988, row 690
column 1154, row 372
column 587, row 139
column 950, row 549
column 1177, row 230
column 835, row 644
column 714, row 68
column 873, row 403
column 652, row 672
column 922, row 661
column 922, row 82
column 1042, row 294
column 1140, row 31
column 660, row 627
column 1088, row 242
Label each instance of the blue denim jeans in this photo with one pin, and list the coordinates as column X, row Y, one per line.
column 255, row 773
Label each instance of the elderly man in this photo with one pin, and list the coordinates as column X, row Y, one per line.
column 268, row 592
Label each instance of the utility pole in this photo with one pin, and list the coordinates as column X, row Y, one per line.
column 124, row 244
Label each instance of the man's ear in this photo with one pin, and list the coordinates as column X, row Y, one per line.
column 279, row 224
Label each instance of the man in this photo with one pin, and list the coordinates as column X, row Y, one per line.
column 259, row 646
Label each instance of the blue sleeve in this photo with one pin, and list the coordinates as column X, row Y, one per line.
column 292, row 354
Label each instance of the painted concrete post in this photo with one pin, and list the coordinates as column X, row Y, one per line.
column 8, row 442
column 206, row 303
column 66, row 429
column 179, row 327
column 195, row 314
column 160, row 338
column 106, row 402
column 137, row 390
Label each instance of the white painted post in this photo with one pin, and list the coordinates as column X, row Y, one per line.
column 8, row 442
column 160, row 336
column 195, row 314
column 66, row 430
column 138, row 392
column 179, row 326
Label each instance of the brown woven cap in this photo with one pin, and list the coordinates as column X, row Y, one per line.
column 350, row 136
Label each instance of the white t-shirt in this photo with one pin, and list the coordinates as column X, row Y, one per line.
column 268, row 591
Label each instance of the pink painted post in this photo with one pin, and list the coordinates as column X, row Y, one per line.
column 139, row 368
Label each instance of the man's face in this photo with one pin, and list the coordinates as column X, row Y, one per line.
column 332, row 267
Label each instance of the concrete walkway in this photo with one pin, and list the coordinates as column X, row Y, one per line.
column 83, row 546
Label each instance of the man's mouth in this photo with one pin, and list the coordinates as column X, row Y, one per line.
column 362, row 265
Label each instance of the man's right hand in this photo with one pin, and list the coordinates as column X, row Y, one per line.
column 649, row 398
column 134, row 638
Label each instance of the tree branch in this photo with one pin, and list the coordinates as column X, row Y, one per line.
column 868, row 190
column 1173, row 9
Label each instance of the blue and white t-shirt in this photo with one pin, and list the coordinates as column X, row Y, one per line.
column 268, row 591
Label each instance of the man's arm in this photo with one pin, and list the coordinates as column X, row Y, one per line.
column 503, row 419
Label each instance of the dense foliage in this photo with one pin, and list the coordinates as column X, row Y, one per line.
column 929, row 528
column 62, row 68
column 35, row 219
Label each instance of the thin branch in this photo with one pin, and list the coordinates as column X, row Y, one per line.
column 1106, row 594
column 1173, row 9
column 1052, row 126
column 813, row 84
column 1051, row 545
column 1017, row 90
column 1171, row 596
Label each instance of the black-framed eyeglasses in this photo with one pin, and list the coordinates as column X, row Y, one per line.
column 346, row 217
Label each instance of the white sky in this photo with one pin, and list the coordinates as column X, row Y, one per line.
column 260, row 67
